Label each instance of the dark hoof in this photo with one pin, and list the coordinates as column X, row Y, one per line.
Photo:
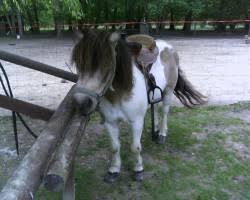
column 161, row 139
column 138, row 176
column 155, row 135
column 111, row 177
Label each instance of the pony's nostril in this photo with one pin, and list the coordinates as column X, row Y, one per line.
column 84, row 103
column 87, row 103
column 86, row 107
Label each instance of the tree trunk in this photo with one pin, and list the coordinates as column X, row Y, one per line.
column 13, row 24
column 31, row 20
column 162, row 16
column 188, row 19
column 10, row 25
column 232, row 27
column 247, row 24
column 57, row 18
column 58, row 27
column 82, row 20
column 20, row 24
column 127, row 12
column 221, row 27
column 106, row 11
column 158, row 25
column 114, row 17
column 2, row 25
column 172, row 26
column 36, row 24
column 70, row 23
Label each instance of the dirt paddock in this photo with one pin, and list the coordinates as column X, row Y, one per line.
column 207, row 151
column 218, row 67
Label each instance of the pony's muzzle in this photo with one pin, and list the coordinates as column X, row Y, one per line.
column 84, row 103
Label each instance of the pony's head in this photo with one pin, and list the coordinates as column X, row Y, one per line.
column 102, row 61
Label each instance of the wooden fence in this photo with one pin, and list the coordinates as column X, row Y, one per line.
column 51, row 158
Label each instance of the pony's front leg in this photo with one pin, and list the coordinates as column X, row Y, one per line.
column 167, row 100
column 114, row 169
column 137, row 127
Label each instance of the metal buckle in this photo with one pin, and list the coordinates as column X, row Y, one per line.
column 151, row 93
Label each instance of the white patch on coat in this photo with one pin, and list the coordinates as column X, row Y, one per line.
column 132, row 110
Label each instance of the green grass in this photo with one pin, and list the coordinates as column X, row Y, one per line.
column 186, row 167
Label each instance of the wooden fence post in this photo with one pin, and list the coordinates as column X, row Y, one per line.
column 60, row 170
column 29, row 174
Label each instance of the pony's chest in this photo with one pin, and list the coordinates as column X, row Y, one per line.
column 111, row 112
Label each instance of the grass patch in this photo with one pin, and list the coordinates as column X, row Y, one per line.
column 193, row 164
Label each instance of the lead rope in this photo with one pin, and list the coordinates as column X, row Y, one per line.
column 14, row 114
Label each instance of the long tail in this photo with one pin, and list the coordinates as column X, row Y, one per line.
column 186, row 93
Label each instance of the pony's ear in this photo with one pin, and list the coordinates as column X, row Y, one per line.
column 114, row 37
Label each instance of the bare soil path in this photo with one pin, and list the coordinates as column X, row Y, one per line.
column 207, row 152
column 220, row 68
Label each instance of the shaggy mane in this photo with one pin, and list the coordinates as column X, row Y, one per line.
column 94, row 53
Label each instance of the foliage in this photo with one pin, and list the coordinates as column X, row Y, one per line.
column 47, row 12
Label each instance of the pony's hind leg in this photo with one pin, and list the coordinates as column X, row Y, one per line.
column 137, row 127
column 156, row 119
column 114, row 169
column 167, row 100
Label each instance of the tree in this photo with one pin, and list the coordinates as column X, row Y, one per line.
column 36, row 14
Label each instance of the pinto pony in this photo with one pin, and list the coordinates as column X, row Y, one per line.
column 110, row 81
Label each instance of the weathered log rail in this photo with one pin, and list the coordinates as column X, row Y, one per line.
column 60, row 171
column 23, row 107
column 55, row 148
column 31, row 64
column 31, row 110
column 27, row 177
column 51, row 158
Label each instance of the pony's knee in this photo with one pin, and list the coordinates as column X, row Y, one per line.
column 136, row 148
column 167, row 99
column 166, row 109
column 116, row 147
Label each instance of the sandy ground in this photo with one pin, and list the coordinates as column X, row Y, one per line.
column 218, row 67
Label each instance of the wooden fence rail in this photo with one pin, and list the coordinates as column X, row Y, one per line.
column 31, row 110
column 28, row 176
column 31, row 64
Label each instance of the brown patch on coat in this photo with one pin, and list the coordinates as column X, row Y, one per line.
column 183, row 89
